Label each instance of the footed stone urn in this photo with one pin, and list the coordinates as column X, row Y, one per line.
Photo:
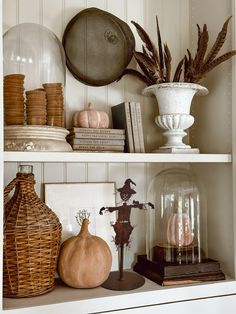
column 174, row 102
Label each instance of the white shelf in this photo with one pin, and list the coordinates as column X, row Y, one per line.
column 114, row 157
column 68, row 300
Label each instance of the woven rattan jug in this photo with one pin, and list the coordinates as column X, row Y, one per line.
column 32, row 235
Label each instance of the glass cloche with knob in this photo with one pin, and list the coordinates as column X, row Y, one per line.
column 34, row 78
column 177, row 250
column 177, row 227
column 35, row 51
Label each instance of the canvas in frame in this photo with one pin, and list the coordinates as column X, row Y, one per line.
column 67, row 199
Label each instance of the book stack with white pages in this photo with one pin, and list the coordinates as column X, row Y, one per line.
column 100, row 140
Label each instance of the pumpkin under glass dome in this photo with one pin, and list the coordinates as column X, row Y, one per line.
column 177, row 226
column 177, row 232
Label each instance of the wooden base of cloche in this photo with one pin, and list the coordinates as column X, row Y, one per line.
column 167, row 274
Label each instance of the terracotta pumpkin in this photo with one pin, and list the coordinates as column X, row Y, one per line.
column 84, row 260
column 179, row 231
column 91, row 118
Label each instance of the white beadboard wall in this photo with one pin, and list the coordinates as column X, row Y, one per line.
column 212, row 131
column 174, row 24
column 213, row 112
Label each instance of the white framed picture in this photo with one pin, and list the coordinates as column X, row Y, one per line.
column 69, row 199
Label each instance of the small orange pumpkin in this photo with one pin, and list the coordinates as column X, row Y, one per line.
column 91, row 118
column 84, row 260
column 179, row 230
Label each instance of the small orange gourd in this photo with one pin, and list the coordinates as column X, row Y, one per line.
column 91, row 118
column 84, row 260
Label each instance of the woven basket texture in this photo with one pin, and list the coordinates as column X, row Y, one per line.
column 32, row 236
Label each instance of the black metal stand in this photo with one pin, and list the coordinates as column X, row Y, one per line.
column 123, row 280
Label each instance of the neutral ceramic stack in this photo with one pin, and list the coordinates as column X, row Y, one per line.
column 14, row 99
column 36, row 107
column 35, row 138
column 55, row 104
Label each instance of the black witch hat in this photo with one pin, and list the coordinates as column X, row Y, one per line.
column 126, row 191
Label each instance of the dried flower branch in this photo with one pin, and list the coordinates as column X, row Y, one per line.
column 81, row 215
column 155, row 63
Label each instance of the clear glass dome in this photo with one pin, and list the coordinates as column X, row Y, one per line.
column 35, row 51
column 177, row 225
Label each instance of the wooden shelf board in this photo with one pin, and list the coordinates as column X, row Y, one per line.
column 67, row 299
column 114, row 157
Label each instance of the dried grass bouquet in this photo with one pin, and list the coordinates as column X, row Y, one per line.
column 155, row 62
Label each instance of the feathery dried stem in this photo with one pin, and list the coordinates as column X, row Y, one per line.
column 136, row 74
column 178, row 71
column 218, row 43
column 146, row 40
column 167, row 58
column 146, row 72
column 196, row 70
column 202, row 47
column 161, row 55
column 145, row 60
column 219, row 60
column 155, row 63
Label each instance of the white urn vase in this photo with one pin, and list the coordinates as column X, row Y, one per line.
column 174, row 102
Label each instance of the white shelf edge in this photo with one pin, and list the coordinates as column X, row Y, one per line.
column 114, row 157
column 67, row 299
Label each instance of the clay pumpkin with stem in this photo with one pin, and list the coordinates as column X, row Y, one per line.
column 84, row 260
column 91, row 118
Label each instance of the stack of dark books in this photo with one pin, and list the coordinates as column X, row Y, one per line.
column 100, row 140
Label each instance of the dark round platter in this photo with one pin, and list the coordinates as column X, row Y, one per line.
column 98, row 46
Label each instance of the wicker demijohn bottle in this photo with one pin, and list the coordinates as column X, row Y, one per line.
column 32, row 235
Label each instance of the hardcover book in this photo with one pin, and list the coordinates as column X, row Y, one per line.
column 78, row 130
column 115, row 148
column 140, row 127
column 85, row 141
column 122, row 120
column 93, row 135
column 134, row 124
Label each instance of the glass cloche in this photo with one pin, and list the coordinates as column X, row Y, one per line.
column 177, row 232
column 35, row 51
column 177, row 226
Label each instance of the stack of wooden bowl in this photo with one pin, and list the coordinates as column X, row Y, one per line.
column 55, row 104
column 36, row 104
column 14, row 99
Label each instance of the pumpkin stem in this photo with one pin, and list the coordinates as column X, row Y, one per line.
column 84, row 228
column 90, row 105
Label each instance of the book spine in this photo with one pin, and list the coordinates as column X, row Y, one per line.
column 134, row 126
column 122, row 120
column 98, row 147
column 97, row 131
column 83, row 141
column 129, row 128
column 101, row 136
column 140, row 127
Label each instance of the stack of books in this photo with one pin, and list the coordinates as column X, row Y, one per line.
column 100, row 140
column 127, row 115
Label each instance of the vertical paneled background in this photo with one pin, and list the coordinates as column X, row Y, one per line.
column 212, row 131
column 174, row 24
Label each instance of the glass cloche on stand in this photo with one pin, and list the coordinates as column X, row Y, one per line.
column 34, row 78
column 177, row 231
